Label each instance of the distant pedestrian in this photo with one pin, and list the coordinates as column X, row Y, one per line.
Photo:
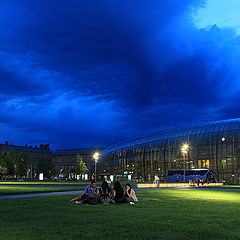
column 197, row 181
column 192, row 183
column 157, row 180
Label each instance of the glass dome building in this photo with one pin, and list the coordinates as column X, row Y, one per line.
column 214, row 145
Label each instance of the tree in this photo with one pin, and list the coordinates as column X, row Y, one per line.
column 22, row 164
column 14, row 163
column 51, row 170
column 45, row 167
column 79, row 166
column 3, row 168
column 9, row 160
column 3, row 171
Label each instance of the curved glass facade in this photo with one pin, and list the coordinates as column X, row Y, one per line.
column 214, row 145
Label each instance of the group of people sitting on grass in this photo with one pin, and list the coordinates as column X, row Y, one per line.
column 107, row 194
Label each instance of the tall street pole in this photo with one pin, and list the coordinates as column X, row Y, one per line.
column 96, row 157
column 184, row 151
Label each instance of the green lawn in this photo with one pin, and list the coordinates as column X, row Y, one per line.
column 61, row 183
column 160, row 214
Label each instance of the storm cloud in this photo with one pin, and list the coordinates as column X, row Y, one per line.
column 93, row 73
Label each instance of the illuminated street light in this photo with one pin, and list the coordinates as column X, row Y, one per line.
column 184, row 151
column 96, row 157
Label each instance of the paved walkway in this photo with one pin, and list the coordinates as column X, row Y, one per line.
column 52, row 194
column 46, row 186
column 49, row 194
column 214, row 189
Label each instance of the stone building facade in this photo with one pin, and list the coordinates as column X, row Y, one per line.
column 64, row 159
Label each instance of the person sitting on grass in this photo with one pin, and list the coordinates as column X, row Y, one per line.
column 105, row 193
column 130, row 196
column 89, row 195
column 118, row 193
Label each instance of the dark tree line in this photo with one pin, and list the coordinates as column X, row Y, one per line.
column 18, row 165
column 45, row 167
column 14, row 164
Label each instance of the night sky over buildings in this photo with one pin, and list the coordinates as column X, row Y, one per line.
column 98, row 72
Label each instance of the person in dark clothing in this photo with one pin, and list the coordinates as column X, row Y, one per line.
column 118, row 193
column 105, row 193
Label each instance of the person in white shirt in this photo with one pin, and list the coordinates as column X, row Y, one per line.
column 130, row 195
column 157, row 180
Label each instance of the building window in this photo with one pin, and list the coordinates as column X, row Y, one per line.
column 203, row 163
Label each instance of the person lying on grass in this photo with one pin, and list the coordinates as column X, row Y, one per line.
column 130, row 195
column 89, row 195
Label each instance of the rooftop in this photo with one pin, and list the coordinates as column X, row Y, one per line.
column 78, row 151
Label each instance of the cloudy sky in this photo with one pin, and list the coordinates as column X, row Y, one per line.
column 93, row 73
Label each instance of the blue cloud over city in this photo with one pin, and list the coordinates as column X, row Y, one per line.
column 93, row 73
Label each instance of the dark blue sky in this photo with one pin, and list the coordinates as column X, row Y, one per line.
column 94, row 73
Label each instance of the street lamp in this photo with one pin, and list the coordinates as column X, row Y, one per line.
column 184, row 151
column 96, row 157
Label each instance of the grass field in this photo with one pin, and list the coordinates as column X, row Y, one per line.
column 160, row 214
column 62, row 183
column 56, row 183
column 14, row 187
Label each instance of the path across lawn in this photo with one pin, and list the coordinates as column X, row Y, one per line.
column 77, row 192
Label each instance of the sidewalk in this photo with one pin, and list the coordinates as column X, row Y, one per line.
column 49, row 194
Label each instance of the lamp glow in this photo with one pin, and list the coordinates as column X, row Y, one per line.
column 96, row 157
column 184, row 148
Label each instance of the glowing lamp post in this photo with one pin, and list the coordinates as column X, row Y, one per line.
column 96, row 157
column 184, row 151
